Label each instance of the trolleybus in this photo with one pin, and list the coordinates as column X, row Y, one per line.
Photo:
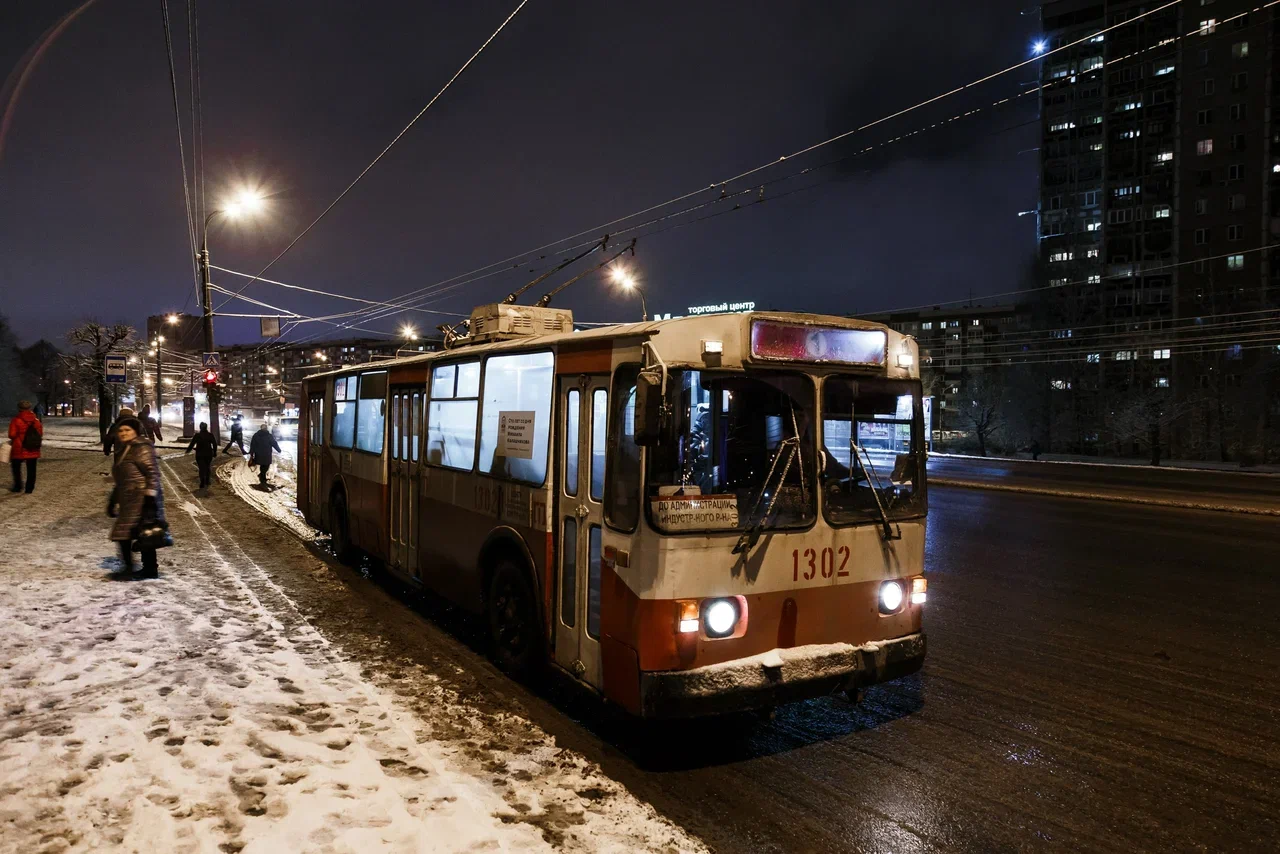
column 689, row 516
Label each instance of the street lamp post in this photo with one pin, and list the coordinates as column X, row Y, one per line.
column 246, row 202
column 628, row 282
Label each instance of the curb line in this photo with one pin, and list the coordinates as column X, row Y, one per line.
column 1102, row 496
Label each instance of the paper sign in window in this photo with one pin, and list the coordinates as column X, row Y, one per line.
column 695, row 512
column 515, row 434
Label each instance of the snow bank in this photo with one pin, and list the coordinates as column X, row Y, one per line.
column 202, row 712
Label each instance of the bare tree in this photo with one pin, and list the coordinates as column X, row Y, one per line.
column 92, row 342
column 981, row 407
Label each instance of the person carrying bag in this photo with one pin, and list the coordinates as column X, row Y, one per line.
column 137, row 502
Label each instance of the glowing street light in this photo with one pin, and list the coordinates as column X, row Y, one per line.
column 1039, row 47
column 628, row 282
column 245, row 201
column 172, row 319
column 408, row 332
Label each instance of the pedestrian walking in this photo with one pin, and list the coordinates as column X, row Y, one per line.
column 1035, row 450
column 260, row 448
column 206, row 448
column 137, row 502
column 237, row 435
column 150, row 426
column 109, row 442
column 26, row 434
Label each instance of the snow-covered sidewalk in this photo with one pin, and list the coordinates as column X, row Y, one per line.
column 203, row 712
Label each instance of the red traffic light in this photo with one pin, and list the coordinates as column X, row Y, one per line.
column 210, row 377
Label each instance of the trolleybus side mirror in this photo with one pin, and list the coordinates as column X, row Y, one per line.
column 648, row 411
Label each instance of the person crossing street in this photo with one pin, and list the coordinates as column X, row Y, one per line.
column 237, row 435
column 260, row 448
column 206, row 448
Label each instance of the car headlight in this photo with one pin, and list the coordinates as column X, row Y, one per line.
column 891, row 596
column 720, row 617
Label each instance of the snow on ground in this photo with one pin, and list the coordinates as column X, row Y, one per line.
column 280, row 503
column 202, row 712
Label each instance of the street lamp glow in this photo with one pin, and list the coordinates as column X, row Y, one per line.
column 622, row 277
column 408, row 332
column 1039, row 47
column 173, row 318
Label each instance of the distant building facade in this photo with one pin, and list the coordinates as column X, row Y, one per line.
column 258, row 376
column 958, row 348
column 1160, row 181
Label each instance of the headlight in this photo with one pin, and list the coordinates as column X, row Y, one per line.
column 720, row 617
column 890, row 597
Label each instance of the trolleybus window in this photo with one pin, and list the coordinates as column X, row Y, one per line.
column 371, row 412
column 451, row 418
column 569, row 572
column 572, row 405
column 739, row 454
column 622, row 500
column 515, row 423
column 344, row 412
column 599, row 423
column 884, row 459
column 315, row 420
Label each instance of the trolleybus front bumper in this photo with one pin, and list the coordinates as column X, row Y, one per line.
column 778, row 676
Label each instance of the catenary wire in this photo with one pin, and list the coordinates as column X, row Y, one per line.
column 396, row 139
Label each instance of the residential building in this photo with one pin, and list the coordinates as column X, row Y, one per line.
column 959, row 349
column 254, row 373
column 1158, row 197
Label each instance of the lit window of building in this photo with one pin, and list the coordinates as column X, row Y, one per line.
column 1235, row 262
column 1162, row 353
column 1204, row 146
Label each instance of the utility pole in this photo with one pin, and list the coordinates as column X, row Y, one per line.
column 159, row 385
column 206, row 301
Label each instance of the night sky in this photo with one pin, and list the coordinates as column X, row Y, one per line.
column 576, row 114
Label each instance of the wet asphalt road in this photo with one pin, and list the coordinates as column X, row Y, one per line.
column 1157, row 483
column 1101, row 677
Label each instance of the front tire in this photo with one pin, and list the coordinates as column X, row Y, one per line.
column 513, row 619
column 340, row 533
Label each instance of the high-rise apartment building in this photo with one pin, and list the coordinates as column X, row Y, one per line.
column 1159, row 183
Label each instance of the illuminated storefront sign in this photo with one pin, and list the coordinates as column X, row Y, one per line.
column 714, row 308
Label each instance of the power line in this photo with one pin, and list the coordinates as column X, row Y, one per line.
column 412, row 299
column 324, row 293
column 177, row 114
column 396, row 139
column 608, row 227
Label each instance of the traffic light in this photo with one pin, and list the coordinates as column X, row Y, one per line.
column 210, row 377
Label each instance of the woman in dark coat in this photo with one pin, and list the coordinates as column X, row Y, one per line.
column 137, row 477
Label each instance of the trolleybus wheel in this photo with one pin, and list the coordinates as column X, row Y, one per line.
column 513, row 619
column 341, row 529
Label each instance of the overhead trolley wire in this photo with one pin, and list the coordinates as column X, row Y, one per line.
column 608, row 227
column 396, row 139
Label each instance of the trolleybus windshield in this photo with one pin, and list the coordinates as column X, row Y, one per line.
column 884, row 458
column 739, row 454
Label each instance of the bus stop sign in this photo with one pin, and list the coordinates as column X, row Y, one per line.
column 114, row 368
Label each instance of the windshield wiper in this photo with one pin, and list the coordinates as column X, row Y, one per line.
column 751, row 535
column 869, row 471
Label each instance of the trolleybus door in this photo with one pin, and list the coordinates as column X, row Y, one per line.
column 406, row 431
column 584, row 408
column 316, row 496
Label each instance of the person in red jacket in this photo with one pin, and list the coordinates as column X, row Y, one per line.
column 26, row 434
